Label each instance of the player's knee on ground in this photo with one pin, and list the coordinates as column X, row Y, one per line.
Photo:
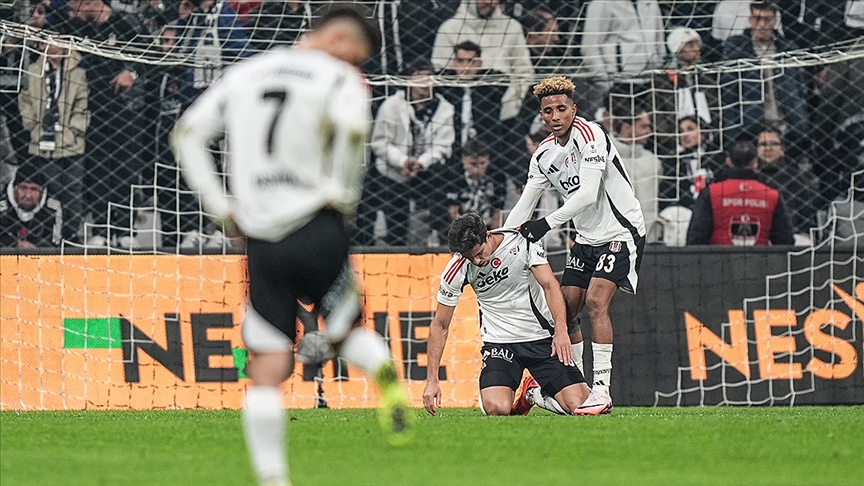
column 494, row 405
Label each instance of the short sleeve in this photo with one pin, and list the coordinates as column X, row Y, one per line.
column 595, row 151
column 450, row 288
column 536, row 254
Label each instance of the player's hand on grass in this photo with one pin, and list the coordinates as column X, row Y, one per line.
column 561, row 348
column 432, row 397
column 535, row 229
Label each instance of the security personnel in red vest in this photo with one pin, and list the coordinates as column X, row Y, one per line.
column 740, row 209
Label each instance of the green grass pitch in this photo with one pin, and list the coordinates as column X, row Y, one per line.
column 644, row 446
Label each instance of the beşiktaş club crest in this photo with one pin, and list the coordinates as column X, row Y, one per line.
column 514, row 250
column 615, row 246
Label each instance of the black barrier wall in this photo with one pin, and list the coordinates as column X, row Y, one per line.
column 791, row 327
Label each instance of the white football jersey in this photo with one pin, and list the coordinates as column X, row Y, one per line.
column 296, row 122
column 616, row 214
column 513, row 306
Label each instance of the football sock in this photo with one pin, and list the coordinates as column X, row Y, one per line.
column 541, row 400
column 577, row 355
column 264, row 425
column 602, row 367
column 366, row 350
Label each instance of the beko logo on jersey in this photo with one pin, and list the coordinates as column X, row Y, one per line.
column 485, row 282
column 570, row 184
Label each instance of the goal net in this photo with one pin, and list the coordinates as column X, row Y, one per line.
column 134, row 300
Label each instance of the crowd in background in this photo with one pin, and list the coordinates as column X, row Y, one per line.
column 455, row 121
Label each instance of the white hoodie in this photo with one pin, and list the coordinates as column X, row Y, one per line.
column 503, row 49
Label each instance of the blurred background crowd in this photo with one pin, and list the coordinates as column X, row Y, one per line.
column 90, row 89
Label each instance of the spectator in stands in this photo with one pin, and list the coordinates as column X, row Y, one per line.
column 783, row 104
column 732, row 17
column 841, row 119
column 502, row 41
column 214, row 36
column 408, row 32
column 53, row 108
column 113, row 146
column 622, row 39
column 693, row 167
column 682, row 91
column 474, row 186
column 796, row 182
column 278, row 22
column 696, row 14
column 631, row 131
column 477, row 105
column 739, row 209
column 28, row 217
column 543, row 36
column 179, row 211
column 412, row 137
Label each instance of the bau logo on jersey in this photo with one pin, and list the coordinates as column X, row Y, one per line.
column 570, row 184
column 485, row 282
column 498, row 353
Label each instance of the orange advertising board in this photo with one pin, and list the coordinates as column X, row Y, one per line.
column 163, row 332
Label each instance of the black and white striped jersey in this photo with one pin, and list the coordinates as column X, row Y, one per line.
column 513, row 306
column 295, row 122
column 614, row 215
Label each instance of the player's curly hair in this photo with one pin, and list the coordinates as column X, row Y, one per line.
column 554, row 85
column 466, row 232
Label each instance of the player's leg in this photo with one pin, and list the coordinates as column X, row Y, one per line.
column 574, row 297
column 560, row 388
column 499, row 379
column 268, row 332
column 617, row 266
column 332, row 287
column 497, row 400
column 574, row 285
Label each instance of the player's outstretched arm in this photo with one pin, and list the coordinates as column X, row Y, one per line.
column 555, row 298
column 438, row 331
column 584, row 197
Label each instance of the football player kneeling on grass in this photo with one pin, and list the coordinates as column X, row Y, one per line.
column 522, row 322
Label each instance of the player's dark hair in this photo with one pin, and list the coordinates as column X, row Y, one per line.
column 466, row 232
column 468, row 46
column 742, row 153
column 763, row 5
column 358, row 14
column 475, row 147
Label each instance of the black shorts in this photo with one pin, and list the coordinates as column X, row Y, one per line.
column 617, row 261
column 303, row 265
column 503, row 365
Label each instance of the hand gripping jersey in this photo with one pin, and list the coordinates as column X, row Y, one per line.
column 513, row 306
column 615, row 214
column 295, row 122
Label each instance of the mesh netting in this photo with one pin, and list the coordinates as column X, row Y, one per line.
column 464, row 70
